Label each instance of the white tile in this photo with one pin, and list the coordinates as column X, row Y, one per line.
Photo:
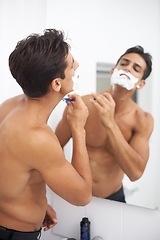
column 69, row 217
column 140, row 223
column 103, row 214
column 109, row 219
column 105, row 217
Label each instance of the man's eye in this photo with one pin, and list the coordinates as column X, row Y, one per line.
column 137, row 69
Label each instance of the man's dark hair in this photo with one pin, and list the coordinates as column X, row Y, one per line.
column 146, row 56
column 37, row 60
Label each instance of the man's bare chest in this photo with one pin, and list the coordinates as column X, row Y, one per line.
column 97, row 134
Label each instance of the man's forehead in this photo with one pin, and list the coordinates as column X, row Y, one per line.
column 69, row 58
column 133, row 57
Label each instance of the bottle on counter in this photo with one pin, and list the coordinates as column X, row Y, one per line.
column 85, row 229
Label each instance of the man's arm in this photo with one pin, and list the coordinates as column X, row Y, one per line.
column 71, row 181
column 50, row 219
column 133, row 156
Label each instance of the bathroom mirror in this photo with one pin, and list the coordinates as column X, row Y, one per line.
column 102, row 84
column 99, row 32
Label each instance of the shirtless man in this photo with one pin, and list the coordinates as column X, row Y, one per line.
column 117, row 129
column 30, row 153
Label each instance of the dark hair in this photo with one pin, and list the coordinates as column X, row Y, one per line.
column 146, row 56
column 37, row 60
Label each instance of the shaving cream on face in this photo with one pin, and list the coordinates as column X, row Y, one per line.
column 124, row 79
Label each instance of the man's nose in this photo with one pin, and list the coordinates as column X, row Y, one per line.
column 76, row 64
column 128, row 68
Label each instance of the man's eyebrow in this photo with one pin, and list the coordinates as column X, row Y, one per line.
column 137, row 65
column 125, row 59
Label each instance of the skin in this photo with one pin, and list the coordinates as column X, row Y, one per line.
column 118, row 132
column 31, row 157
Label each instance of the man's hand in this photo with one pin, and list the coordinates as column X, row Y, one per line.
column 50, row 219
column 77, row 112
column 105, row 106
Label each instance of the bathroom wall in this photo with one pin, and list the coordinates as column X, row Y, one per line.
column 100, row 30
column 109, row 219
column 18, row 19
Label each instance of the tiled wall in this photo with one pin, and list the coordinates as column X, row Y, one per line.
column 109, row 219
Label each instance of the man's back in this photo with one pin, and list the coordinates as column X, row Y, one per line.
column 22, row 187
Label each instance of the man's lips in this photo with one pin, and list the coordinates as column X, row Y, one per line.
column 123, row 74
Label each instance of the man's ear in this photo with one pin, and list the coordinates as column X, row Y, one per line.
column 56, row 84
column 141, row 84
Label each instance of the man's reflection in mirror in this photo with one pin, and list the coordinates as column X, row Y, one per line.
column 117, row 129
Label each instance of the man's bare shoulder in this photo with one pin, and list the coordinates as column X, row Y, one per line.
column 11, row 100
column 29, row 142
column 87, row 96
column 8, row 105
column 142, row 114
column 86, row 99
column 144, row 120
column 43, row 145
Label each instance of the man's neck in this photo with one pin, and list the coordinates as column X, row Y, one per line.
column 122, row 98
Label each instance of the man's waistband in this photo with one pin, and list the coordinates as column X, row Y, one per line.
column 118, row 196
column 10, row 234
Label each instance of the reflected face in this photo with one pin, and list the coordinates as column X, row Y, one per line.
column 133, row 63
column 67, row 82
column 124, row 79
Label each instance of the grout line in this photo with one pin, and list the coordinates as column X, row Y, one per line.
column 121, row 234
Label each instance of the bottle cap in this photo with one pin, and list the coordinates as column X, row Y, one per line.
column 85, row 220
